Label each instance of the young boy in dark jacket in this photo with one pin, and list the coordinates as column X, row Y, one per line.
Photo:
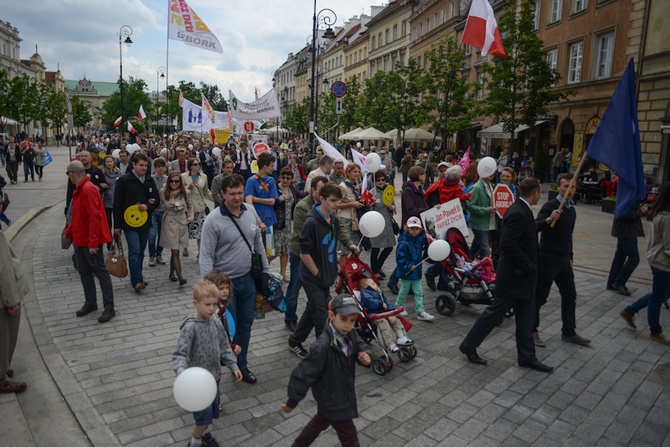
column 318, row 264
column 329, row 370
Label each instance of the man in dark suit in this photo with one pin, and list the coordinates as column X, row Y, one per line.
column 516, row 280
column 556, row 260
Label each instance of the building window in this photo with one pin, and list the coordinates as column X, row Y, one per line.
column 418, row 61
column 536, row 15
column 552, row 58
column 580, row 5
column 605, row 53
column 444, row 15
column 452, row 10
column 379, row 40
column 420, row 29
column 374, row 42
column 402, row 59
column 395, row 32
column 387, row 36
column 556, row 9
column 435, row 22
column 480, row 86
column 404, row 28
column 427, row 25
column 467, row 49
column 575, row 66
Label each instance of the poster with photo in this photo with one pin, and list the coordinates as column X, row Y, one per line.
column 436, row 221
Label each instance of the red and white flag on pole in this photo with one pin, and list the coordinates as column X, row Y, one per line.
column 117, row 123
column 131, row 129
column 141, row 113
column 207, row 107
column 481, row 29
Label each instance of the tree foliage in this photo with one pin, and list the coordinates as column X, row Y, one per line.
column 296, row 118
column 519, row 87
column 134, row 95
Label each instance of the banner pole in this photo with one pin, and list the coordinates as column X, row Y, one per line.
column 167, row 69
column 573, row 183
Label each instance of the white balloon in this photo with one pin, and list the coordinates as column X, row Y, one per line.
column 216, row 151
column 438, row 250
column 358, row 145
column 372, row 162
column 115, row 153
column 190, row 147
column 486, row 167
column 194, row 389
column 371, row 224
column 130, row 148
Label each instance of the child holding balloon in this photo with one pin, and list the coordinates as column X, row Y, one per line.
column 409, row 257
column 203, row 343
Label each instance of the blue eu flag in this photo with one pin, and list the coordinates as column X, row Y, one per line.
column 616, row 143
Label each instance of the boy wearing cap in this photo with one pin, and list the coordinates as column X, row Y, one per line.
column 409, row 257
column 329, row 369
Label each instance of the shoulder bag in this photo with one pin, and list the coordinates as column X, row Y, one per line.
column 115, row 261
column 256, row 261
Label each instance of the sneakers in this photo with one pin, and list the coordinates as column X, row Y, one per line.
column 404, row 340
column 403, row 313
column 85, row 310
column 660, row 338
column 424, row 316
column 629, row 319
column 393, row 348
column 159, row 259
column 538, row 341
column 152, row 262
column 298, row 350
column 107, row 315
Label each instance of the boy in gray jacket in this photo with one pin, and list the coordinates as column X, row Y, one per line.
column 203, row 342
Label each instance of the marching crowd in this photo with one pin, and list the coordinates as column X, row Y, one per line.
column 281, row 203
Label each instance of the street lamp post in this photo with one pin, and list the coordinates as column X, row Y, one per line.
column 329, row 34
column 160, row 73
column 125, row 31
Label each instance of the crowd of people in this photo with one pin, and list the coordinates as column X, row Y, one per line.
column 306, row 211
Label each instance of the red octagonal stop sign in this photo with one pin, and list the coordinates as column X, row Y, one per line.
column 249, row 126
column 502, row 199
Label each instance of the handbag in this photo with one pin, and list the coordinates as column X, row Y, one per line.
column 256, row 260
column 65, row 240
column 115, row 261
column 396, row 228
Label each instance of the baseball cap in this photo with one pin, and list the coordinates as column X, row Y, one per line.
column 344, row 305
column 414, row 222
column 443, row 163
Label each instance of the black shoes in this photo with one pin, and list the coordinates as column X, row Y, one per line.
column 393, row 288
column 576, row 339
column 248, row 376
column 472, row 355
column 430, row 282
column 291, row 325
column 107, row 315
column 298, row 350
column 621, row 290
column 537, row 366
column 85, row 310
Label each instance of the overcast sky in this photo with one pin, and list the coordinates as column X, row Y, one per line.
column 257, row 36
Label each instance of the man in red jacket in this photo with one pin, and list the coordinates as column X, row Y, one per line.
column 88, row 231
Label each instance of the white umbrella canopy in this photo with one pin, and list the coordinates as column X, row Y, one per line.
column 350, row 135
column 392, row 134
column 416, row 134
column 370, row 134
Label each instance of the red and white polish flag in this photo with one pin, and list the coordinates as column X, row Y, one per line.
column 481, row 29
column 117, row 123
column 141, row 113
column 131, row 129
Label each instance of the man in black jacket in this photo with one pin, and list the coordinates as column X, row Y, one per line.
column 516, row 280
column 138, row 190
column 556, row 260
column 626, row 229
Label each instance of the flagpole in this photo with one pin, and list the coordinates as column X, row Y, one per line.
column 167, row 68
column 444, row 106
column 573, row 184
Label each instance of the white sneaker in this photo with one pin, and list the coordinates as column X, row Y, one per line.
column 393, row 348
column 403, row 313
column 404, row 340
column 424, row 316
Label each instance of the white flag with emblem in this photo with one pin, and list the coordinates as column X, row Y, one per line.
column 185, row 25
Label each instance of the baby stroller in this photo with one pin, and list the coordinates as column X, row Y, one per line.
column 472, row 283
column 353, row 270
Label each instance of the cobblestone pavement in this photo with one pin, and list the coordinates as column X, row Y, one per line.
column 117, row 377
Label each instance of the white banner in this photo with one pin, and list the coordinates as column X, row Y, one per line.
column 329, row 150
column 436, row 221
column 194, row 121
column 185, row 25
column 238, row 126
column 265, row 107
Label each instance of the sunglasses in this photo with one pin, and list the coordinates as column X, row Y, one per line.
column 175, row 181
column 195, row 164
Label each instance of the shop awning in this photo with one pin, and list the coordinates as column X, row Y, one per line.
column 496, row 131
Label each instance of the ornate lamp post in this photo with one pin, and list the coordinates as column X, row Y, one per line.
column 329, row 34
column 160, row 73
column 125, row 31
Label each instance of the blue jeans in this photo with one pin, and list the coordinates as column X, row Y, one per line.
column 155, row 248
column 242, row 310
column 660, row 291
column 292, row 290
column 626, row 258
column 480, row 244
column 404, row 178
column 2, row 158
column 137, row 243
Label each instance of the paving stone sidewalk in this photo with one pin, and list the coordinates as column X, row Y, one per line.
column 117, row 377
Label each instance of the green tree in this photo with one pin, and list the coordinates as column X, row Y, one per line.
column 374, row 101
column 134, row 95
column 80, row 114
column 349, row 105
column 447, row 61
column 327, row 118
column 214, row 96
column 297, row 118
column 57, row 110
column 407, row 110
column 519, row 86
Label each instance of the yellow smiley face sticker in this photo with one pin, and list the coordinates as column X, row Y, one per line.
column 135, row 217
column 388, row 196
column 254, row 167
